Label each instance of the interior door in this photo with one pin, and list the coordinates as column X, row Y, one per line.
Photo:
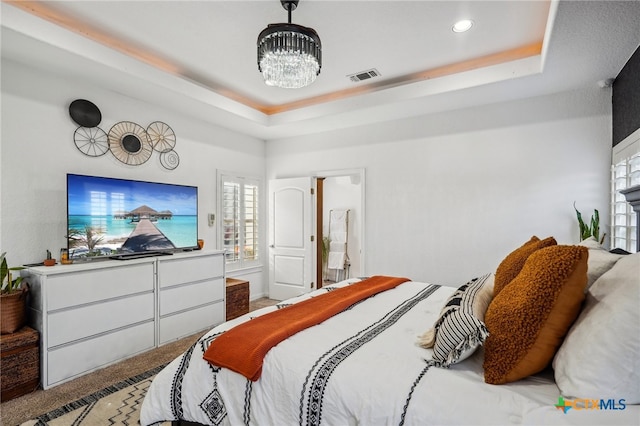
column 291, row 234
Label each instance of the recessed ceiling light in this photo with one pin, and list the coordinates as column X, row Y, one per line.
column 462, row 26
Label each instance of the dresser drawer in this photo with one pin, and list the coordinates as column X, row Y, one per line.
column 90, row 320
column 73, row 360
column 186, row 296
column 183, row 324
column 78, row 288
column 173, row 272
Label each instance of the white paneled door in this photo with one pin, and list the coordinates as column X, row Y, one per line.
column 291, row 234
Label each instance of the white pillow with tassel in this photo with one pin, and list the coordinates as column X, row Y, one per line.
column 460, row 328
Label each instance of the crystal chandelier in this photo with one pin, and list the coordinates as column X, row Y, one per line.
column 289, row 55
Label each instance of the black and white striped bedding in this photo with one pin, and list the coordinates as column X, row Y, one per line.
column 362, row 366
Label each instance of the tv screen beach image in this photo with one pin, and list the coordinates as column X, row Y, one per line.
column 107, row 216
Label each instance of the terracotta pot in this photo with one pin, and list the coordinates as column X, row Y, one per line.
column 13, row 309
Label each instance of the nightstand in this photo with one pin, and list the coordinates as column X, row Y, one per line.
column 237, row 298
column 20, row 358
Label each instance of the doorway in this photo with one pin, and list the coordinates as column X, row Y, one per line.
column 340, row 190
column 297, row 211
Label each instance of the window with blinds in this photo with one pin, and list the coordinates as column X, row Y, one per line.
column 240, row 220
column 625, row 173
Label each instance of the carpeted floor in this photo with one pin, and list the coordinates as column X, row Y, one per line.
column 30, row 406
column 85, row 392
column 118, row 404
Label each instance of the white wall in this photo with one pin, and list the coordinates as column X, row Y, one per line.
column 38, row 151
column 449, row 195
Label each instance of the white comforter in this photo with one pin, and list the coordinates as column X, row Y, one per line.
column 361, row 367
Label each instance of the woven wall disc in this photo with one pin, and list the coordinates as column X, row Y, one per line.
column 169, row 160
column 129, row 143
column 91, row 141
column 162, row 137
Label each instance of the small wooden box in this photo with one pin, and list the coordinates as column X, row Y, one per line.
column 20, row 359
column 237, row 298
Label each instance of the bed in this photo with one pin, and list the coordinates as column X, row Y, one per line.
column 423, row 354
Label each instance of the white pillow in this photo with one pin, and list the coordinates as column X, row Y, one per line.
column 599, row 262
column 460, row 330
column 600, row 357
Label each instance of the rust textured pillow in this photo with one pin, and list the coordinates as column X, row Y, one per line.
column 513, row 263
column 529, row 318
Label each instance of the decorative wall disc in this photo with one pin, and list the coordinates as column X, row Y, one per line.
column 130, row 143
column 169, row 159
column 91, row 141
column 85, row 113
column 161, row 136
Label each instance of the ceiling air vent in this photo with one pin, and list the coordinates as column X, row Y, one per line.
column 364, row 75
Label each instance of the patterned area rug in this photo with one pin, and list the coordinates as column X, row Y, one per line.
column 117, row 404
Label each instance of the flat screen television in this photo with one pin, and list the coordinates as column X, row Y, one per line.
column 122, row 218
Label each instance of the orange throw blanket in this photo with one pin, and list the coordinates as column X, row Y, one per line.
column 243, row 347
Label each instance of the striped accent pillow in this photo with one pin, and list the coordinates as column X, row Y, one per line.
column 460, row 328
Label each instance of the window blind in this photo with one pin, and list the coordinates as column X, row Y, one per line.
column 240, row 220
column 625, row 173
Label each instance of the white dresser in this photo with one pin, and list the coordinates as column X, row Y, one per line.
column 94, row 314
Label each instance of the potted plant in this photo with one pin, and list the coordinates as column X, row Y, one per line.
column 592, row 229
column 13, row 298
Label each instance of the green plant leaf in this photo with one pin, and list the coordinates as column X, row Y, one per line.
column 7, row 283
column 4, row 270
column 595, row 226
column 581, row 225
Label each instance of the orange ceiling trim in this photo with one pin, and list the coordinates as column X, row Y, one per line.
column 45, row 10
column 481, row 62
